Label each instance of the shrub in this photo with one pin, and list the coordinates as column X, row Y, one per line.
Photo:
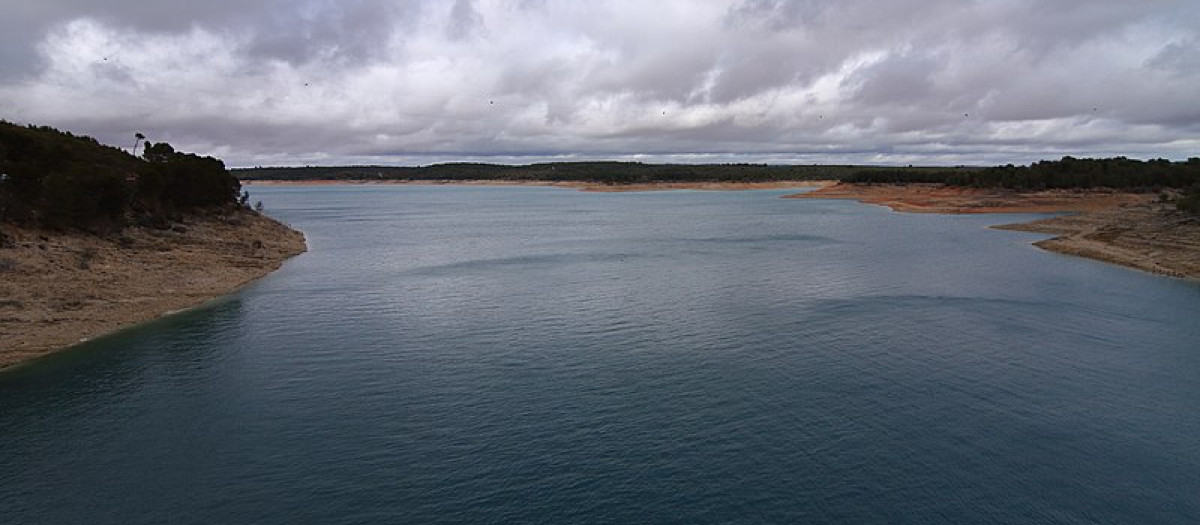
column 1190, row 201
column 172, row 181
column 60, row 180
column 76, row 198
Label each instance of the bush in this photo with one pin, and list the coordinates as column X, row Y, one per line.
column 59, row 180
column 172, row 181
column 76, row 198
column 1070, row 172
column 1190, row 201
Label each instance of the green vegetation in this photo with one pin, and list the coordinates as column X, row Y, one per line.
column 1190, row 201
column 1067, row 173
column 909, row 175
column 595, row 172
column 171, row 181
column 59, row 180
column 1070, row 172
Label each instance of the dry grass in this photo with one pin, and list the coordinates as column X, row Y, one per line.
column 60, row 288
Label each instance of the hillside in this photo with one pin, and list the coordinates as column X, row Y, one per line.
column 93, row 239
column 1153, row 232
column 55, row 179
column 1119, row 173
column 615, row 173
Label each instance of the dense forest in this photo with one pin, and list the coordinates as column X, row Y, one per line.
column 594, row 172
column 59, row 180
column 1067, row 173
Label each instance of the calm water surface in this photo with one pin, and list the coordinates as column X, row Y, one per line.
column 539, row 355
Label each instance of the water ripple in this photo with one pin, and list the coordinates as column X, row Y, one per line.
column 528, row 355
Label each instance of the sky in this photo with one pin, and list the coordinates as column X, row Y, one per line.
column 335, row 82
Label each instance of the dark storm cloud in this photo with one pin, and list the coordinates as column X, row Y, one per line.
column 324, row 81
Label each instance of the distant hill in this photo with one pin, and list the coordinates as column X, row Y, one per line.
column 593, row 172
column 56, row 179
column 1067, row 173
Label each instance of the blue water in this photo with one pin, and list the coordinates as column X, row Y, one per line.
column 540, row 355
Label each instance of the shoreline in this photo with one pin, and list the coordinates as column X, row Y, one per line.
column 578, row 185
column 1127, row 229
column 64, row 289
column 936, row 198
column 1123, row 228
column 1152, row 237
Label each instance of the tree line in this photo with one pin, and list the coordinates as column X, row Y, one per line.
column 1119, row 173
column 1067, row 173
column 60, row 180
column 592, row 172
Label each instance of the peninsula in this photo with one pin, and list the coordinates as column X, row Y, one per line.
column 1143, row 215
column 93, row 239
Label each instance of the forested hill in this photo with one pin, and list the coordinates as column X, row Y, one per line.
column 1067, row 173
column 1072, row 173
column 594, row 172
column 56, row 179
column 1117, row 173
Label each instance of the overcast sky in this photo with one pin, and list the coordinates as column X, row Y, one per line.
column 294, row 82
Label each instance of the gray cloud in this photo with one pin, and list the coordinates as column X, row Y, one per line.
column 349, row 30
column 464, row 20
column 324, row 81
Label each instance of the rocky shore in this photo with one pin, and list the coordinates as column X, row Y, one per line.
column 1151, row 236
column 58, row 289
column 1129, row 229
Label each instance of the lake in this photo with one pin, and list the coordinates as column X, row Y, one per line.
column 543, row 355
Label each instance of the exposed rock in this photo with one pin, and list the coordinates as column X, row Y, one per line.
column 1137, row 230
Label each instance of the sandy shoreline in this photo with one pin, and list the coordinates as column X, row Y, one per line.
column 1128, row 229
column 57, row 290
column 582, row 186
column 935, row 198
